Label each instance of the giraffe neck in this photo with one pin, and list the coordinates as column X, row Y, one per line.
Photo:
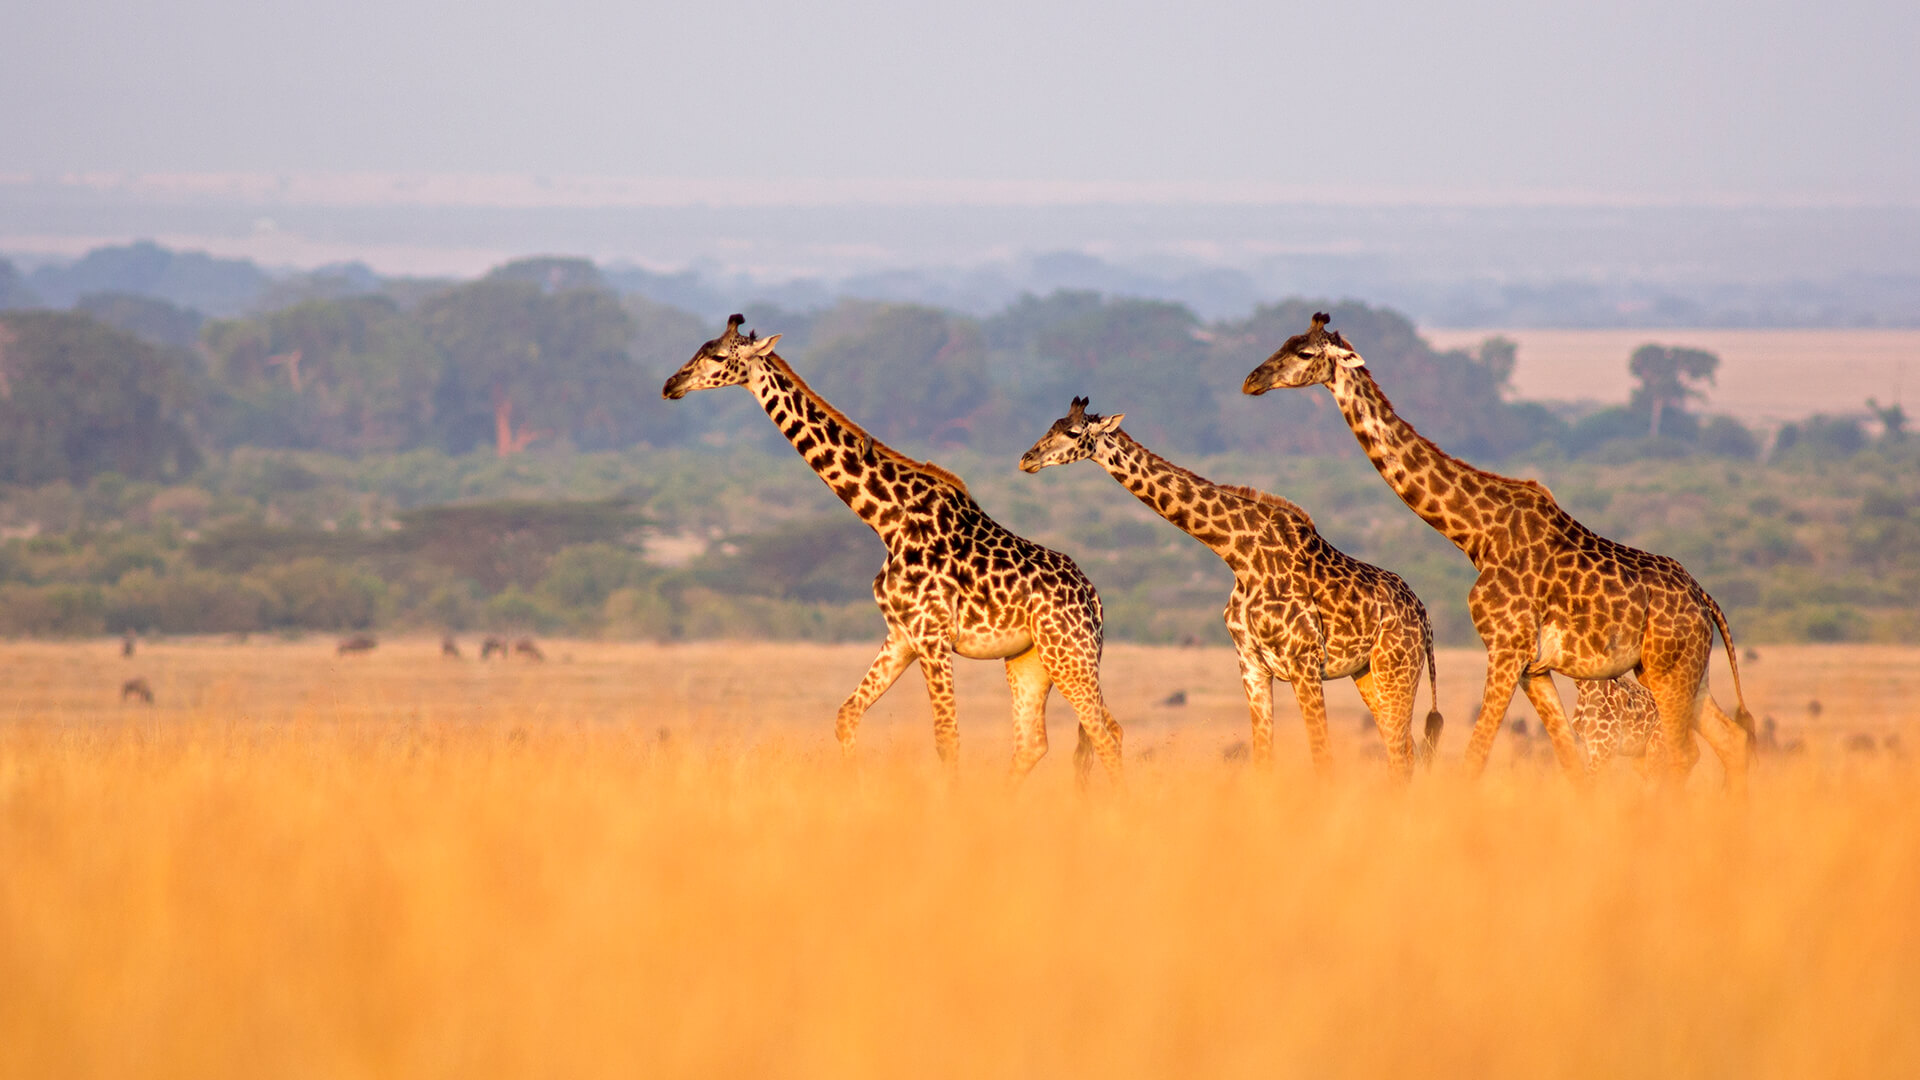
column 873, row 479
column 1221, row 517
column 1461, row 502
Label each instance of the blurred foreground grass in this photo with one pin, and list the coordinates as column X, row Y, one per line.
column 397, row 867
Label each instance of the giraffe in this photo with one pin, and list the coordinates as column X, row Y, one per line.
column 1552, row 594
column 1301, row 610
column 1617, row 716
column 955, row 580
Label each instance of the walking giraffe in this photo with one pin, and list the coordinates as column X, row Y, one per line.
column 1552, row 595
column 955, row 580
column 1301, row 610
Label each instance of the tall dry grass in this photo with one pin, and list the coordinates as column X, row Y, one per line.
column 309, row 868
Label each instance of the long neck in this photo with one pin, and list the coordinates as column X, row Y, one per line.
column 1458, row 500
column 1221, row 518
column 873, row 479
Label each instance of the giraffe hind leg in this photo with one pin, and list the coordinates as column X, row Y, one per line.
column 1077, row 673
column 1730, row 743
column 1391, row 703
column 936, row 666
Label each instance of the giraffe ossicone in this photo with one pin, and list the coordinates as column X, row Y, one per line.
column 1301, row 610
column 955, row 580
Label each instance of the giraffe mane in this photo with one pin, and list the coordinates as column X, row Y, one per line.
column 1270, row 500
column 1442, row 455
column 880, row 449
column 1255, row 495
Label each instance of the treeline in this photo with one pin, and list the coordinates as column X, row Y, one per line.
column 740, row 542
column 543, row 355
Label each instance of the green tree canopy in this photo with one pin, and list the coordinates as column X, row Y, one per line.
column 78, row 397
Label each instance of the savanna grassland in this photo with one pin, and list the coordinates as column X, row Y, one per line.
column 649, row 860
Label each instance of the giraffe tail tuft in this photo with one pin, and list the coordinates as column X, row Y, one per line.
column 1431, row 742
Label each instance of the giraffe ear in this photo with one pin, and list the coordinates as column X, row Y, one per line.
column 762, row 348
column 1346, row 357
column 1106, row 423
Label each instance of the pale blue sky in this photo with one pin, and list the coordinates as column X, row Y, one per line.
column 1635, row 100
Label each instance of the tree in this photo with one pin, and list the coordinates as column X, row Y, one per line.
column 1893, row 421
column 522, row 364
column 1667, row 377
column 79, row 398
column 350, row 376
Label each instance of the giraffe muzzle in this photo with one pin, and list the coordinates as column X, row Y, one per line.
column 676, row 387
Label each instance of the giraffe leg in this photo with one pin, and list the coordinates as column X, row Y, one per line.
column 1028, row 679
column 1503, row 675
column 1391, row 703
column 1729, row 741
column 1259, row 685
column 1076, row 671
column 1308, row 691
column 936, row 666
column 885, row 670
column 1593, row 726
column 1676, row 694
column 1546, row 702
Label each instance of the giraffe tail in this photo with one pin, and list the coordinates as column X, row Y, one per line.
column 1741, row 716
column 1431, row 741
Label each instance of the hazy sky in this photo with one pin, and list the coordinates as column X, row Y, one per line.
column 1667, row 100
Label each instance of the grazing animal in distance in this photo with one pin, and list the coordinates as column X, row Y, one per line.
column 358, row 643
column 136, row 687
column 449, row 648
column 493, row 645
column 1301, row 610
column 955, row 580
column 1552, row 595
column 126, row 643
column 1175, row 699
column 526, row 647
column 1862, row 743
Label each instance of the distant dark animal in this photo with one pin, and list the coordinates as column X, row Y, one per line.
column 358, row 643
column 1519, row 726
column 1814, row 708
column 1175, row 699
column 1769, row 735
column 525, row 647
column 136, row 687
column 1894, row 746
column 1862, row 743
column 126, row 644
column 663, row 736
column 493, row 645
column 1235, row 751
column 449, row 648
column 1750, row 655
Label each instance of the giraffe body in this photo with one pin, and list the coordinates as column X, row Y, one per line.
column 955, row 580
column 1301, row 610
column 1616, row 717
column 1552, row 595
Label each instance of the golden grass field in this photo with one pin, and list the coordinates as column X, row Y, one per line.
column 643, row 860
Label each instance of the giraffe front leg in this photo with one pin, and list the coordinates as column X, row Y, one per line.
column 885, row 670
column 936, row 666
column 1546, row 702
column 1028, row 680
column 1503, row 676
column 1259, row 686
column 1312, row 697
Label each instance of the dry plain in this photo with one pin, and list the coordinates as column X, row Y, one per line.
column 649, row 860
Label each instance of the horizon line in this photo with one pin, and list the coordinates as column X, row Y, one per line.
column 585, row 191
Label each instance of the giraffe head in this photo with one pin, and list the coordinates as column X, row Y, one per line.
column 1306, row 359
column 1071, row 438
column 724, row 361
